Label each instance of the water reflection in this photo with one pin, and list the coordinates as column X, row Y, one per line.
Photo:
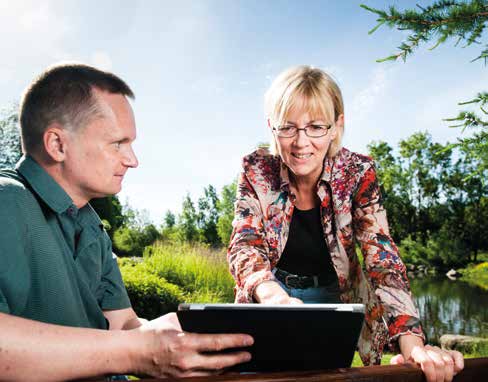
column 450, row 307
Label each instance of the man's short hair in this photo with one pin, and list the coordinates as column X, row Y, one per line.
column 64, row 94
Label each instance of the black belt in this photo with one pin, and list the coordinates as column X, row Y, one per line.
column 302, row 282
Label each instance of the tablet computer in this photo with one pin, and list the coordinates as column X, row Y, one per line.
column 286, row 337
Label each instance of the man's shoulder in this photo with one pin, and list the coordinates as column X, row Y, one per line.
column 12, row 189
column 11, row 182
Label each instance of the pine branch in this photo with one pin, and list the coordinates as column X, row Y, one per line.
column 441, row 21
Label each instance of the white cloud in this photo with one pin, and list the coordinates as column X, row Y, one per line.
column 367, row 101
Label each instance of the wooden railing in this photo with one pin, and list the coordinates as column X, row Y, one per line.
column 475, row 370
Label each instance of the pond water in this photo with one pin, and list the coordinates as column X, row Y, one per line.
column 450, row 307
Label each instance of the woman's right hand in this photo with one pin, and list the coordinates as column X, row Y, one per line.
column 270, row 292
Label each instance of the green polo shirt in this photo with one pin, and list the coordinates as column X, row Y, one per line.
column 56, row 261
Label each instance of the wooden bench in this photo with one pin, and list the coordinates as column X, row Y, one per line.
column 475, row 370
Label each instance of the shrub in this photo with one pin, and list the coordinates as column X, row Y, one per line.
column 440, row 250
column 151, row 296
column 132, row 241
column 170, row 274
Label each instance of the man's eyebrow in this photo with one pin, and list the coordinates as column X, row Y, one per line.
column 115, row 138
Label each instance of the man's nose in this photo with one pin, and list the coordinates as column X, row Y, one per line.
column 130, row 159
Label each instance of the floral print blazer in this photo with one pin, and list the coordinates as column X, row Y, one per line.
column 352, row 211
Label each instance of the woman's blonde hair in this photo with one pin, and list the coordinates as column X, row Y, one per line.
column 308, row 89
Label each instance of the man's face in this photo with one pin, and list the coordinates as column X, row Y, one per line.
column 99, row 154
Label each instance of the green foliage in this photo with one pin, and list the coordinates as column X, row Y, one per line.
column 476, row 275
column 129, row 241
column 169, row 220
column 170, row 274
column 466, row 21
column 225, row 207
column 187, row 222
column 208, row 215
column 151, row 296
column 439, row 250
column 200, row 271
column 475, row 146
column 210, row 223
column 11, row 150
column 437, row 206
column 110, row 211
column 443, row 20
column 356, row 361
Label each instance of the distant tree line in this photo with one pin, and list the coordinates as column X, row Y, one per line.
column 208, row 221
column 436, row 202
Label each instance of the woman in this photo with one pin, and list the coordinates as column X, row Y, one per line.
column 300, row 211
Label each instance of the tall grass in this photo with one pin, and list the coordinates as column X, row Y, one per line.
column 200, row 271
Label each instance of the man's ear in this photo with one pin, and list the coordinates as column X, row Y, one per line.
column 55, row 142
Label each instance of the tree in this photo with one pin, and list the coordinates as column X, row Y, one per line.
column 132, row 241
column 169, row 220
column 11, row 150
column 187, row 222
column 394, row 189
column 208, row 215
column 443, row 20
column 225, row 207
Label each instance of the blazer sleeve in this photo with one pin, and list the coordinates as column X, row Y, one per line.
column 248, row 250
column 384, row 267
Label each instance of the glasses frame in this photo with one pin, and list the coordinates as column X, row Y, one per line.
column 305, row 130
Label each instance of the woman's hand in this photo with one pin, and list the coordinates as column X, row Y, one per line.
column 270, row 292
column 438, row 365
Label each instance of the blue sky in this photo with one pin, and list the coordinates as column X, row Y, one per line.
column 200, row 68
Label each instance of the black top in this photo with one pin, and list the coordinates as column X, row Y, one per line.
column 306, row 252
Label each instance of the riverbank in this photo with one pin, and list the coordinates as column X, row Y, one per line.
column 476, row 275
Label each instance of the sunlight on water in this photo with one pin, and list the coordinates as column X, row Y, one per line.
column 450, row 307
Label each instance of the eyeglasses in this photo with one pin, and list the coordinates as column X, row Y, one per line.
column 312, row 131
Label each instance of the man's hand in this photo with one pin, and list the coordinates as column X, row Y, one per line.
column 438, row 365
column 270, row 292
column 168, row 351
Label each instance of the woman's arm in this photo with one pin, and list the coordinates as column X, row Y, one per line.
column 387, row 275
column 248, row 251
column 384, row 267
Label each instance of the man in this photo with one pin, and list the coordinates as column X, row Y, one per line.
column 64, row 311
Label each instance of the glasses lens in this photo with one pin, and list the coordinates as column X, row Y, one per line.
column 286, row 131
column 316, row 131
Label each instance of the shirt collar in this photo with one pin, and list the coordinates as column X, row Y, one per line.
column 326, row 173
column 44, row 185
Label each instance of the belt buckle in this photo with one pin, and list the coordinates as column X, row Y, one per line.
column 292, row 278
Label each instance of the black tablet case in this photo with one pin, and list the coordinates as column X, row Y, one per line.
column 284, row 339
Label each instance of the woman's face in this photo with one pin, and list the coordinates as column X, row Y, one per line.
column 305, row 155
